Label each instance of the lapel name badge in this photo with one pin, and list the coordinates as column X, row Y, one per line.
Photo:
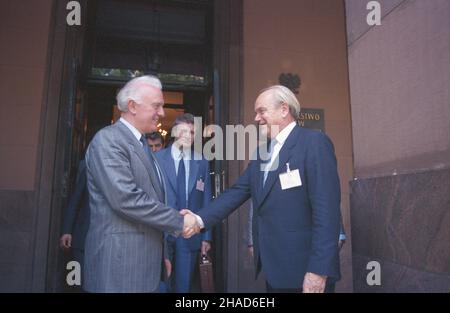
column 200, row 185
column 290, row 179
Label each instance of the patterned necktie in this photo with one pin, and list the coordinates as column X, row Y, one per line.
column 181, row 184
column 152, row 159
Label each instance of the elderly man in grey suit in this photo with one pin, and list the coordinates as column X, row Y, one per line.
column 124, row 244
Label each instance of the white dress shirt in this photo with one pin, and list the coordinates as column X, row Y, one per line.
column 138, row 136
column 176, row 156
column 280, row 140
column 133, row 129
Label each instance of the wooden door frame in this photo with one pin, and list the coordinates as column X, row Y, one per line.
column 65, row 46
column 65, row 52
column 228, row 58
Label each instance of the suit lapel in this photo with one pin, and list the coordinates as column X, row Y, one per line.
column 137, row 147
column 163, row 180
column 193, row 169
column 169, row 165
column 283, row 158
column 258, row 179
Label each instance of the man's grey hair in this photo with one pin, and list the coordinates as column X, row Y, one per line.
column 131, row 90
column 282, row 94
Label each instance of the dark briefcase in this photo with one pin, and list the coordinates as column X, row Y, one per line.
column 206, row 274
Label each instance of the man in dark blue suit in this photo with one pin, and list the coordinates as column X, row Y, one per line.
column 76, row 218
column 296, row 200
column 188, row 186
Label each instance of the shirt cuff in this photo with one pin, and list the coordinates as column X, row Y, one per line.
column 200, row 221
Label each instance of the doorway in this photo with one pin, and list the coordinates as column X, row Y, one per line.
column 169, row 39
column 65, row 135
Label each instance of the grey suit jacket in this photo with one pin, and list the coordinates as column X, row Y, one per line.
column 123, row 251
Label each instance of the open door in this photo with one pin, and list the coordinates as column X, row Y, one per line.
column 227, row 110
column 70, row 146
column 122, row 40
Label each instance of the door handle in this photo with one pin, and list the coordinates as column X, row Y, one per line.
column 215, row 177
column 217, row 184
column 223, row 182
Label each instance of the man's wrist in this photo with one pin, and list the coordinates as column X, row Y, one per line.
column 316, row 275
column 199, row 221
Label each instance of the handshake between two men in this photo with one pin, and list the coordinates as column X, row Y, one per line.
column 191, row 224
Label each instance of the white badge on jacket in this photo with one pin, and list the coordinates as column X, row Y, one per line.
column 290, row 179
column 200, row 185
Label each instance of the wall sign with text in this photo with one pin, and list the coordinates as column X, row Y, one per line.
column 312, row 118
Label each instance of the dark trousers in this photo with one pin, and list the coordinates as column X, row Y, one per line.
column 329, row 288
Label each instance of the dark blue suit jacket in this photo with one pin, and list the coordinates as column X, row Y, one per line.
column 294, row 230
column 76, row 218
column 198, row 170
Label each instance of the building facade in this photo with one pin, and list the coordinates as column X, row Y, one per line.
column 380, row 91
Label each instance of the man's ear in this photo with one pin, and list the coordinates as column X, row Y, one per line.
column 285, row 109
column 131, row 107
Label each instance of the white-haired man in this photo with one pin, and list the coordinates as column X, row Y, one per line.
column 296, row 200
column 124, row 244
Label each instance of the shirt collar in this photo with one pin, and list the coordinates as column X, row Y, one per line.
column 133, row 129
column 282, row 135
column 176, row 153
